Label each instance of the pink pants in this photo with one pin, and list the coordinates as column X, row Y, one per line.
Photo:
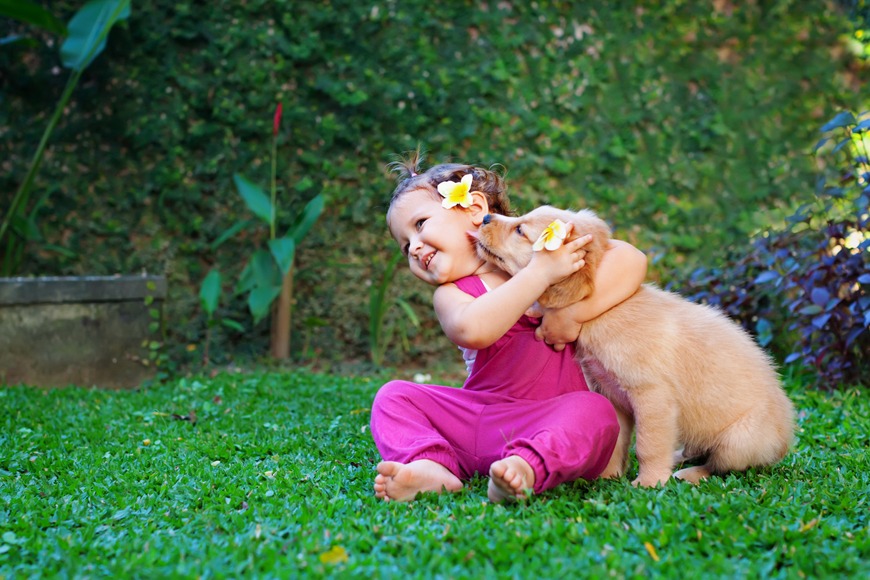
column 566, row 437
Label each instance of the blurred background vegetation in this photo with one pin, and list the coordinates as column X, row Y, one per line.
column 690, row 126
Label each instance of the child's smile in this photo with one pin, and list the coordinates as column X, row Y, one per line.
column 434, row 238
column 427, row 259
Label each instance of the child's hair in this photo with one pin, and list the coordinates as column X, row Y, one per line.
column 486, row 181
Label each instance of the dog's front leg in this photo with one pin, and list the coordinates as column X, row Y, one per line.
column 655, row 416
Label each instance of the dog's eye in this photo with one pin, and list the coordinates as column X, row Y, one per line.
column 519, row 230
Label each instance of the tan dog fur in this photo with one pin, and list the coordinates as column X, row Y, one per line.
column 682, row 373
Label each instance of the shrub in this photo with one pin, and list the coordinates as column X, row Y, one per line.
column 675, row 118
column 804, row 288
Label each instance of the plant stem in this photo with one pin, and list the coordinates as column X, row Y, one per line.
column 281, row 319
column 21, row 195
column 274, row 187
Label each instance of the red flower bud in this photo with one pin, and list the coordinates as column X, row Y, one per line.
column 277, row 121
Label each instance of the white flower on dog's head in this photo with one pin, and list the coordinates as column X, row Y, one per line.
column 552, row 237
column 456, row 193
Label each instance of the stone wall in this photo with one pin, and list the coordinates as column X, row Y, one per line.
column 86, row 331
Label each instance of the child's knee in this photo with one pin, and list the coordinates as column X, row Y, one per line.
column 596, row 412
column 394, row 394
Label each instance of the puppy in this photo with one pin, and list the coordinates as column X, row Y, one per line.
column 683, row 374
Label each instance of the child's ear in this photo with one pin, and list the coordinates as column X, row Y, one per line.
column 479, row 207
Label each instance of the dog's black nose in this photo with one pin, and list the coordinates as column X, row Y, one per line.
column 486, row 219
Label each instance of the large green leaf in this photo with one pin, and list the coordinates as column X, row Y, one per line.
column 842, row 119
column 210, row 292
column 33, row 14
column 261, row 271
column 312, row 211
column 283, row 250
column 88, row 30
column 246, row 279
column 265, row 270
column 260, row 300
column 229, row 233
column 256, row 200
column 409, row 312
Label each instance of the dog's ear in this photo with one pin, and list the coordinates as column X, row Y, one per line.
column 581, row 284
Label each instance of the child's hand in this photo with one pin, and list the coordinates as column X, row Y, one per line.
column 558, row 264
column 558, row 328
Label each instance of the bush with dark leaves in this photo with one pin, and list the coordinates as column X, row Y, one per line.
column 804, row 291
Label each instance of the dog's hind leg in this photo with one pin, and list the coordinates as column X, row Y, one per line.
column 760, row 437
column 691, row 474
column 694, row 474
column 619, row 460
column 655, row 416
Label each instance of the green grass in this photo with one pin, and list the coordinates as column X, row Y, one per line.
column 274, row 480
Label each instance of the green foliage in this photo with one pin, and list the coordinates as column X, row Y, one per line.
column 270, row 475
column 85, row 40
column 210, row 292
column 804, row 287
column 680, row 123
column 263, row 275
column 266, row 271
column 88, row 29
column 382, row 328
column 33, row 14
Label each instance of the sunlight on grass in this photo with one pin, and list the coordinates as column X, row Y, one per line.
column 270, row 474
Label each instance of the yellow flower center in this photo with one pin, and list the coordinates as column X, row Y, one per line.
column 552, row 237
column 456, row 193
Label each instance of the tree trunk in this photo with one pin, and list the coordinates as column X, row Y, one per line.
column 281, row 313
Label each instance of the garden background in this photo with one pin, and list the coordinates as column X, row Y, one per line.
column 689, row 126
column 725, row 139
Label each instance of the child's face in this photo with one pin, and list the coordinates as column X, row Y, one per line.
column 433, row 238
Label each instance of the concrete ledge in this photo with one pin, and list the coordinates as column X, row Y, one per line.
column 86, row 331
column 80, row 289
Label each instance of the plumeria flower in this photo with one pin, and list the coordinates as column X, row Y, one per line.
column 456, row 193
column 552, row 237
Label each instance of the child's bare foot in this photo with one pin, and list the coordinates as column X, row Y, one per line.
column 403, row 481
column 509, row 478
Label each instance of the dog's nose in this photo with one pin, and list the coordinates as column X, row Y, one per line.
column 486, row 219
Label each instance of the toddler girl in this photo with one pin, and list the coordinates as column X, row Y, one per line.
column 524, row 415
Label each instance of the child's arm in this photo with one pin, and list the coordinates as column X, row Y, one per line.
column 619, row 275
column 478, row 322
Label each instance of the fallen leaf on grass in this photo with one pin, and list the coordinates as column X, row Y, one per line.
column 189, row 417
column 335, row 555
column 176, row 417
column 652, row 551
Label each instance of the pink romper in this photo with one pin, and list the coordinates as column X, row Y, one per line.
column 521, row 398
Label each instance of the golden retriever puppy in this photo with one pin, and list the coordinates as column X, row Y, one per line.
column 683, row 374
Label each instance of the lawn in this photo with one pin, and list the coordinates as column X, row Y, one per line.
column 273, row 479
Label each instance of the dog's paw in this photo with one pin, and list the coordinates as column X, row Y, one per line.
column 612, row 472
column 694, row 474
column 647, row 480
